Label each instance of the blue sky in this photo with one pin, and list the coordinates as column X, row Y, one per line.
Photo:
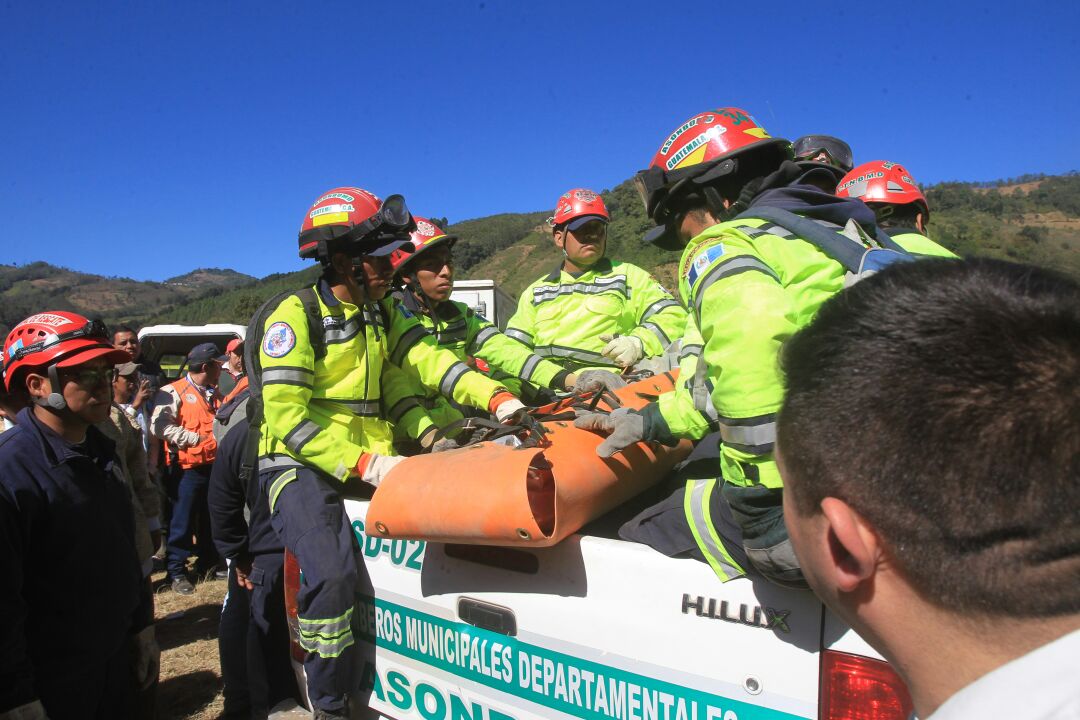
column 146, row 139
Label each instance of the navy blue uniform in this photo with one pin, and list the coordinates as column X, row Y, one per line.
column 253, row 638
column 73, row 591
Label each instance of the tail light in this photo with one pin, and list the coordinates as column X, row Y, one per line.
column 292, row 588
column 854, row 687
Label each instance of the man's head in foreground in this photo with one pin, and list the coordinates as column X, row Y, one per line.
column 930, row 448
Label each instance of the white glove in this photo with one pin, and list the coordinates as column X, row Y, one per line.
column 145, row 657
column 625, row 350
column 506, row 410
column 30, row 711
column 378, row 467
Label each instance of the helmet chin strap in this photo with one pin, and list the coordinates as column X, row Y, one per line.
column 55, row 401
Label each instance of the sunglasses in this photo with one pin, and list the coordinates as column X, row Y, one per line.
column 91, row 377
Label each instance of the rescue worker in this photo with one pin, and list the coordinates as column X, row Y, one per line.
column 184, row 417
column 823, row 149
column 323, row 423
column 898, row 204
column 749, row 284
column 592, row 312
column 253, row 637
column 66, row 519
column 427, row 275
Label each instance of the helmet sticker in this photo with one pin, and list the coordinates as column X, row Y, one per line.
column 679, row 131
column 279, row 340
column 335, row 196
column 585, row 196
column 860, row 179
column 335, row 208
column 423, row 227
column 46, row 319
column 15, row 347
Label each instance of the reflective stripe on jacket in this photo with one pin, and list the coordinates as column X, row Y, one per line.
column 561, row 316
column 325, row 413
column 748, row 286
column 467, row 334
column 193, row 412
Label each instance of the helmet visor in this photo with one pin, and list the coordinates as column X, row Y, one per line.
column 811, row 146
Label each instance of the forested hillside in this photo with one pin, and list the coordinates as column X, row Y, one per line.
column 39, row 286
column 1033, row 219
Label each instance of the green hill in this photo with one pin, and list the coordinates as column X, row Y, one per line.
column 1034, row 219
column 37, row 286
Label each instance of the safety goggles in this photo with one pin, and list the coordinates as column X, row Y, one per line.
column 391, row 222
column 92, row 329
column 810, row 146
column 91, row 377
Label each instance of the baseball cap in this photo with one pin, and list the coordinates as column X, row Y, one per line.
column 204, row 353
column 128, row 368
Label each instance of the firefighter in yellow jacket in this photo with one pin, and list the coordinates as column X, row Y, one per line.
column 427, row 276
column 592, row 312
column 898, row 203
column 325, row 401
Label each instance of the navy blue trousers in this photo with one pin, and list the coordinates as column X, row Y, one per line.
column 310, row 518
column 191, row 516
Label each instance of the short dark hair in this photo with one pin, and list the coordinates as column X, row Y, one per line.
column 124, row 328
column 941, row 400
column 900, row 217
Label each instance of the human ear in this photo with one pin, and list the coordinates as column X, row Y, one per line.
column 38, row 385
column 853, row 545
column 560, row 238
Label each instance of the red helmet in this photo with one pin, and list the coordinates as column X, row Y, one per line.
column 426, row 236
column 57, row 339
column 881, row 181
column 705, row 148
column 349, row 217
column 577, row 207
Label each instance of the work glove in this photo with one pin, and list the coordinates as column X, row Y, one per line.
column 598, row 381
column 428, row 438
column 625, row 426
column 507, row 409
column 444, row 444
column 624, row 350
column 30, row 711
column 373, row 468
column 145, row 657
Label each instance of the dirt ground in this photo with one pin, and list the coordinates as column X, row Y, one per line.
column 187, row 630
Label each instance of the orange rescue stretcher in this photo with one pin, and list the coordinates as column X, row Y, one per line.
column 493, row 494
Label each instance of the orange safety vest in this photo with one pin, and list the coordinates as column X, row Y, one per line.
column 241, row 386
column 195, row 413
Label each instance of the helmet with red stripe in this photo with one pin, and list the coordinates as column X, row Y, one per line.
column 577, row 207
column 881, row 181
column 426, row 236
column 723, row 147
column 353, row 220
column 56, row 339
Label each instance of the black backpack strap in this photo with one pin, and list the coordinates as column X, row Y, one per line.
column 310, row 301
column 253, row 366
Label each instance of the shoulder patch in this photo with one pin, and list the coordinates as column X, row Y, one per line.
column 701, row 261
column 279, row 340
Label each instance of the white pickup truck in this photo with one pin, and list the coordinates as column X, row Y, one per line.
column 598, row 628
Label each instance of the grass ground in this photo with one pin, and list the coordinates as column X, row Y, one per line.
column 187, row 630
